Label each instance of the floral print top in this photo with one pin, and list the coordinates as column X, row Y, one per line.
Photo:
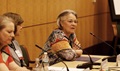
column 61, row 47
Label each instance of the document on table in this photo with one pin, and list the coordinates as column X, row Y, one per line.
column 63, row 69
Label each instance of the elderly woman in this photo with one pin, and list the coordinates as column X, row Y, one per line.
column 62, row 42
column 6, row 34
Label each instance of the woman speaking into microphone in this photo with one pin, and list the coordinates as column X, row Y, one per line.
column 62, row 41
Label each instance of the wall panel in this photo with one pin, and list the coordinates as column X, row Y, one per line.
column 39, row 11
column 11, row 5
column 3, row 6
column 40, row 19
column 101, row 6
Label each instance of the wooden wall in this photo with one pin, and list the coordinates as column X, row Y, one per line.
column 40, row 20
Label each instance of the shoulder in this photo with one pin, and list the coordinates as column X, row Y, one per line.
column 57, row 34
column 7, row 48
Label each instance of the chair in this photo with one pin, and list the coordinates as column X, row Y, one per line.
column 116, row 39
column 100, row 49
column 26, row 56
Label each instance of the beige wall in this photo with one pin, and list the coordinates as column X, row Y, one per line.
column 40, row 20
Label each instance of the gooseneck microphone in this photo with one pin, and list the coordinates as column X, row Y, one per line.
column 22, row 64
column 58, row 57
column 103, row 41
column 111, row 58
column 41, row 48
column 11, row 56
column 89, row 64
column 84, row 65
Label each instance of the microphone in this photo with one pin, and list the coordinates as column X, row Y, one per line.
column 12, row 57
column 41, row 48
column 18, row 54
column 89, row 64
column 112, row 58
column 85, row 65
column 58, row 57
column 21, row 61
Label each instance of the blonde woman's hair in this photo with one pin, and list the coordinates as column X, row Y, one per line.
column 16, row 17
column 4, row 20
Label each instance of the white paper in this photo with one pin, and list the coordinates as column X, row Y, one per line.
column 118, row 60
column 117, row 6
column 63, row 69
column 104, row 65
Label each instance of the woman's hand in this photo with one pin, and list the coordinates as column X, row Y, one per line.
column 78, row 53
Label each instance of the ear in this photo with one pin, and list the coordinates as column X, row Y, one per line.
column 61, row 24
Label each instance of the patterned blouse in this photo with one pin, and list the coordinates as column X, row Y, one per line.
column 60, row 47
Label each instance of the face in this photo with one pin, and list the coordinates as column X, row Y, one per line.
column 6, row 34
column 69, row 23
column 19, row 27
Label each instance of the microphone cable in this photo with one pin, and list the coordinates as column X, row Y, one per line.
column 52, row 55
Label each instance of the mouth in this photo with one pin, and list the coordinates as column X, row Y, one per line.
column 10, row 39
column 72, row 28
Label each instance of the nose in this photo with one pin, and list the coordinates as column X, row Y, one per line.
column 74, row 23
column 21, row 27
column 12, row 34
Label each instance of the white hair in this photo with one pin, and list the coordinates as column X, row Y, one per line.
column 58, row 22
column 64, row 12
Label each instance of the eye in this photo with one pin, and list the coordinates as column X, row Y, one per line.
column 9, row 31
column 75, row 21
column 70, row 21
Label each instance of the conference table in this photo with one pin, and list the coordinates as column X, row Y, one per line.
column 84, row 59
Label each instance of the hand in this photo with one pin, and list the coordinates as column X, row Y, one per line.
column 79, row 53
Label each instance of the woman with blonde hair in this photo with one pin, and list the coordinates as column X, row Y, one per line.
column 6, row 35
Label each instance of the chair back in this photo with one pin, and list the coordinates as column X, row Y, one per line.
column 25, row 54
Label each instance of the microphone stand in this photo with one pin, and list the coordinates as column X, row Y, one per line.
column 56, row 59
column 89, row 64
column 65, row 65
column 111, row 58
column 91, row 59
